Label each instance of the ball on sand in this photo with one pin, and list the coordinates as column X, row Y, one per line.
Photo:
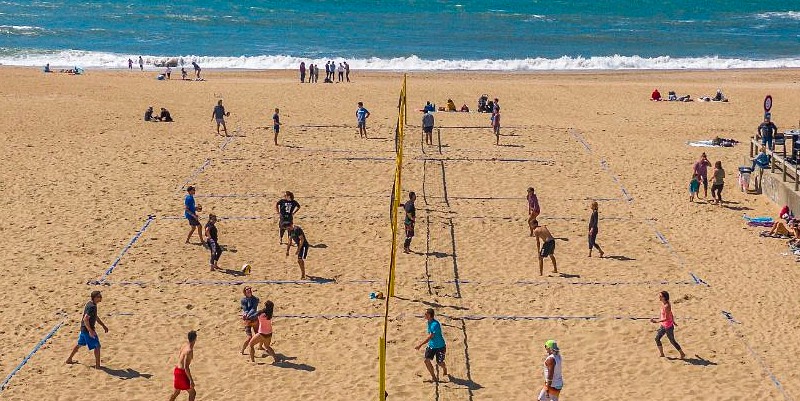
column 246, row 269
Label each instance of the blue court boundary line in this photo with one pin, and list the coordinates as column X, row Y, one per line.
column 102, row 278
column 731, row 321
column 194, row 174
column 239, row 282
column 603, row 164
column 28, row 357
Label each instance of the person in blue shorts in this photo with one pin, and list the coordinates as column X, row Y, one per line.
column 190, row 212
column 88, row 336
column 436, row 346
column 362, row 115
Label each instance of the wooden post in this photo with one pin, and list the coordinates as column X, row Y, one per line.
column 772, row 161
column 784, row 169
column 796, row 179
column 752, row 142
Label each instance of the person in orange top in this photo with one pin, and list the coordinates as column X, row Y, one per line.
column 264, row 335
column 667, row 325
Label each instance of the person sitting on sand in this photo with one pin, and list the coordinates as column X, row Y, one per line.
column 264, row 335
column 719, row 97
column 148, row 114
column 451, row 106
column 429, row 108
column 464, row 108
column 165, row 116
column 47, row 68
column 656, row 95
column 183, row 73
column 545, row 246
column 672, row 96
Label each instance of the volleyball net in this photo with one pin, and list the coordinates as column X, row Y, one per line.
column 394, row 207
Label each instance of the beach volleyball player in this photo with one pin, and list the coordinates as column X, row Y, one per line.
column 297, row 235
column 182, row 375
column 286, row 208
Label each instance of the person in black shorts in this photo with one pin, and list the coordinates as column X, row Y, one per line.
column 276, row 124
column 436, row 346
column 548, row 248
column 297, row 235
column 427, row 127
column 593, row 228
column 411, row 218
column 213, row 241
column 286, row 208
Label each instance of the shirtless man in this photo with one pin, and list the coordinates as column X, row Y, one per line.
column 182, row 374
column 545, row 245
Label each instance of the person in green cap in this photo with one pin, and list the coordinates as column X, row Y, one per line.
column 553, row 381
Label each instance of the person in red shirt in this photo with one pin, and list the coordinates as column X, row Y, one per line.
column 656, row 96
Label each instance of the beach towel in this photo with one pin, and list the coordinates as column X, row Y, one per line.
column 764, row 219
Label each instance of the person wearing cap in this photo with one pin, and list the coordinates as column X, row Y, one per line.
column 88, row 336
column 553, row 379
column 767, row 130
column 427, row 127
column 436, row 348
column 190, row 212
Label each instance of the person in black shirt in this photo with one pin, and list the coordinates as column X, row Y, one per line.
column 411, row 218
column 286, row 208
column 213, row 241
column 165, row 116
column 593, row 230
column 88, row 335
column 296, row 233
column 148, row 114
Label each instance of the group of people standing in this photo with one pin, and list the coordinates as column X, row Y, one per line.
column 700, row 176
column 331, row 71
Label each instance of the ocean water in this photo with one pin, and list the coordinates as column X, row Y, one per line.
column 406, row 34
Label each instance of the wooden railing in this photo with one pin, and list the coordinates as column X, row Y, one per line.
column 789, row 171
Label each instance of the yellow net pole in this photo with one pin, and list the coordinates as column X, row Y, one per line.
column 396, row 194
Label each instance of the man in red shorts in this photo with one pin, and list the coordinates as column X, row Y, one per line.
column 182, row 375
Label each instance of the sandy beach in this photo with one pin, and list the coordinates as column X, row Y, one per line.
column 82, row 173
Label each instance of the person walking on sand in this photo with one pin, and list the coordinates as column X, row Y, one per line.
column 427, row 127
column 533, row 208
column 545, row 246
column 717, row 183
column 496, row 127
column 347, row 71
column 593, row 223
column 249, row 304
column 182, row 379
column 701, row 169
column 263, row 337
column 141, row 63
column 190, row 212
column 213, row 241
column 276, row 124
column 694, row 187
column 219, row 115
column 666, row 325
column 286, row 208
column 362, row 114
column 88, row 336
column 196, row 69
column 436, row 347
column 297, row 235
column 553, row 378
column 302, row 72
column 411, row 219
